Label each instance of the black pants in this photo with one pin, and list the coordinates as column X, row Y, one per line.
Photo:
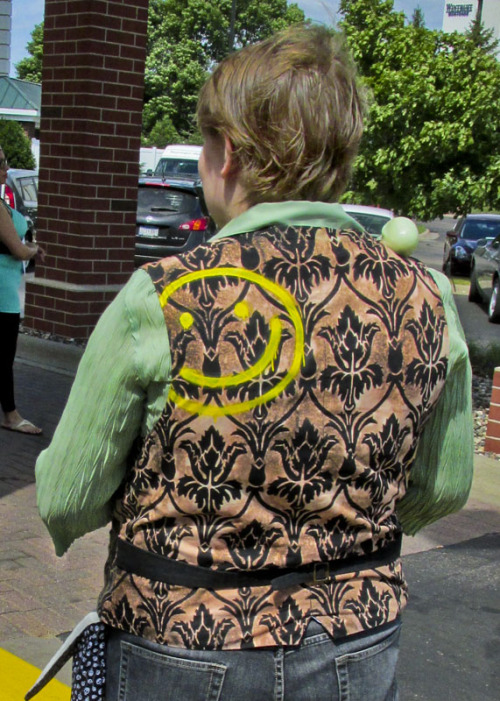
column 9, row 330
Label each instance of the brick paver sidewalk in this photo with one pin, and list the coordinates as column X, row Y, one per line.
column 41, row 596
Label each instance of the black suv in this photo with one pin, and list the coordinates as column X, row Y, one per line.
column 171, row 218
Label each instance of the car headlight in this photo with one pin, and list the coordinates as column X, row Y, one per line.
column 461, row 252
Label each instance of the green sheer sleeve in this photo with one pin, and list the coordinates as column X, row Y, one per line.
column 441, row 475
column 119, row 392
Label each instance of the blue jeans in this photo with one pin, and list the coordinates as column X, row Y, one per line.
column 358, row 669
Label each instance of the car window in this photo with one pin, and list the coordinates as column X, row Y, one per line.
column 475, row 230
column 163, row 199
column 177, row 166
column 28, row 188
column 372, row 223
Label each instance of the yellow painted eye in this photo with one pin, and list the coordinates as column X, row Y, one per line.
column 186, row 320
column 242, row 311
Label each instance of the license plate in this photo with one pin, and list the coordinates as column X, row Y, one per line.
column 151, row 231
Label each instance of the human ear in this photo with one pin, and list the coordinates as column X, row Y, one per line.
column 229, row 166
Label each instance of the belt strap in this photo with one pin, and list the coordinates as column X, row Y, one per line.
column 161, row 568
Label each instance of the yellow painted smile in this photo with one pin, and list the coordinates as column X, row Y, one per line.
column 265, row 361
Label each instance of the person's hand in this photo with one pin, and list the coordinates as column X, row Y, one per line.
column 35, row 251
column 40, row 254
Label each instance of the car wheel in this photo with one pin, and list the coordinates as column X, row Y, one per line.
column 448, row 269
column 474, row 294
column 494, row 305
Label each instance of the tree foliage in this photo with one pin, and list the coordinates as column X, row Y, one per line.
column 186, row 38
column 16, row 145
column 417, row 19
column 432, row 141
column 30, row 68
column 162, row 133
column 480, row 36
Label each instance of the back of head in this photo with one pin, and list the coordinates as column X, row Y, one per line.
column 293, row 110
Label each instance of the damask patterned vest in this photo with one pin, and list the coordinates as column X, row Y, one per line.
column 305, row 362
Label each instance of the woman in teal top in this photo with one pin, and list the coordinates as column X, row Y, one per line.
column 12, row 254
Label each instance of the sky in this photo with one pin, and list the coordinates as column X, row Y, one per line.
column 27, row 13
column 433, row 10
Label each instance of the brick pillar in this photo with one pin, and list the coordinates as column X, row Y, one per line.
column 92, row 96
column 492, row 441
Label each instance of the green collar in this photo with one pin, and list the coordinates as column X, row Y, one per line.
column 293, row 213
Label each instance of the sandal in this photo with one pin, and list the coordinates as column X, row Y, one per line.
column 23, row 426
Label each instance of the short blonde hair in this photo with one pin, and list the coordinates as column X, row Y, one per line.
column 293, row 110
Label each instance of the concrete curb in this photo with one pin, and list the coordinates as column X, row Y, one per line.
column 62, row 358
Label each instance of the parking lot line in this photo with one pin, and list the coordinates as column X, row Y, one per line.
column 17, row 676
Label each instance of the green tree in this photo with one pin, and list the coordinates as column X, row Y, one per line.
column 30, row 68
column 186, row 38
column 417, row 18
column 16, row 145
column 433, row 135
column 162, row 133
column 480, row 36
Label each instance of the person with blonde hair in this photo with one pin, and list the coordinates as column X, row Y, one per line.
column 260, row 418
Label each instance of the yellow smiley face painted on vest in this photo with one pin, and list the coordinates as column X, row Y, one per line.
column 242, row 311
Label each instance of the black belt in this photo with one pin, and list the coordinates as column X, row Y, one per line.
column 163, row 569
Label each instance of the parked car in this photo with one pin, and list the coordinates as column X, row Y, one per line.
column 171, row 218
column 372, row 219
column 461, row 242
column 178, row 161
column 485, row 276
column 21, row 193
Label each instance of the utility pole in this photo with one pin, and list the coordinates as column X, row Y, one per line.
column 479, row 13
column 232, row 23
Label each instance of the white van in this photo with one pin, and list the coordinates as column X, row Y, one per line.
column 179, row 160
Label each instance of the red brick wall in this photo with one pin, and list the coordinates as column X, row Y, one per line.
column 69, row 311
column 92, row 95
column 492, row 442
